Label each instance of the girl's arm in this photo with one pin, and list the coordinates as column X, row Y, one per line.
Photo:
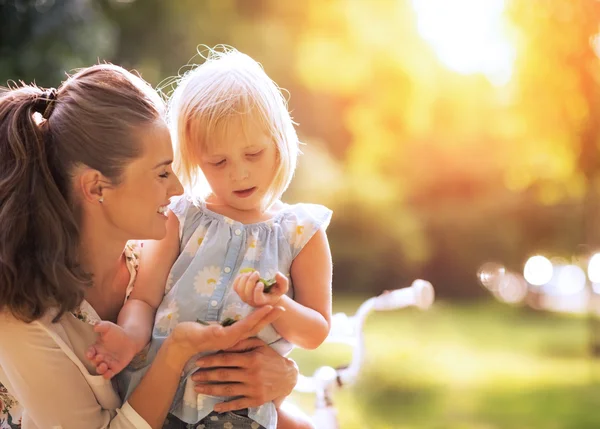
column 307, row 318
column 137, row 315
column 118, row 344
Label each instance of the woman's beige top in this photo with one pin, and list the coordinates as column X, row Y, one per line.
column 43, row 366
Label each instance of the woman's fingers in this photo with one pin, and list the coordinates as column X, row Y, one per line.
column 220, row 360
column 252, row 324
column 247, row 326
column 222, row 375
column 269, row 318
column 246, row 345
column 227, row 389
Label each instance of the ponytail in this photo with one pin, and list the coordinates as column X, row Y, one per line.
column 38, row 233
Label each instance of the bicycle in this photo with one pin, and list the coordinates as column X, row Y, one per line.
column 349, row 330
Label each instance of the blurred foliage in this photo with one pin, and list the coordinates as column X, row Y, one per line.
column 476, row 366
column 430, row 172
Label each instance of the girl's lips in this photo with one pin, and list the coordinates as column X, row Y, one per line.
column 245, row 193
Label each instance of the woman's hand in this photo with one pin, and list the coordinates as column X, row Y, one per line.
column 251, row 369
column 190, row 338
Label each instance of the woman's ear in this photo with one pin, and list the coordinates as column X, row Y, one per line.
column 91, row 184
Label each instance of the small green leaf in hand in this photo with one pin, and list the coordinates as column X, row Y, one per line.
column 268, row 284
column 228, row 322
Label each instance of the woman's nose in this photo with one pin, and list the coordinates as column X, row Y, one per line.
column 176, row 187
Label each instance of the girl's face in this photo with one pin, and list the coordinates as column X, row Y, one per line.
column 240, row 166
column 137, row 206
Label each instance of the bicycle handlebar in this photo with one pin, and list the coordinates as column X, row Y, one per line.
column 419, row 294
column 349, row 330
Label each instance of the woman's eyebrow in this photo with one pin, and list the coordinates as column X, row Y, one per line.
column 163, row 163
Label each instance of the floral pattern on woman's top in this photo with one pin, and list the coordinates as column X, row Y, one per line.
column 10, row 410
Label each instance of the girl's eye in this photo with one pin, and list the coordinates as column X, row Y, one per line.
column 255, row 154
column 165, row 175
column 218, row 164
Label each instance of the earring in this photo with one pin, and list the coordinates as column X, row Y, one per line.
column 101, row 200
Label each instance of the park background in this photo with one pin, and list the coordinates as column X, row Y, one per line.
column 453, row 139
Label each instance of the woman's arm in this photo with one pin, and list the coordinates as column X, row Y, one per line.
column 49, row 381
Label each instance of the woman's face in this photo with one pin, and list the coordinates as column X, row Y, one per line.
column 137, row 206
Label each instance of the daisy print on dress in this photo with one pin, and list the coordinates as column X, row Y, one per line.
column 195, row 241
column 169, row 284
column 167, row 318
column 254, row 249
column 298, row 235
column 207, row 280
column 236, row 311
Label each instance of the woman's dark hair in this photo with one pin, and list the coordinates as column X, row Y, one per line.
column 44, row 137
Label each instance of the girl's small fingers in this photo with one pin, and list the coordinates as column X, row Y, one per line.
column 241, row 284
column 236, row 285
column 90, row 352
column 102, row 368
column 258, row 293
column 249, row 285
column 101, row 327
column 282, row 282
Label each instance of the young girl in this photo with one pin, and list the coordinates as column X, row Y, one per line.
column 234, row 249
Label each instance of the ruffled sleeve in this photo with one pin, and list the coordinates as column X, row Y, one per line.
column 302, row 222
column 179, row 206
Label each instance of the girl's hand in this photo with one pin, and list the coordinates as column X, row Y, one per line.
column 252, row 291
column 112, row 351
column 191, row 338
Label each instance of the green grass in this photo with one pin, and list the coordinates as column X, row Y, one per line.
column 476, row 366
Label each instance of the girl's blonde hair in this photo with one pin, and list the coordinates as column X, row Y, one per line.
column 227, row 88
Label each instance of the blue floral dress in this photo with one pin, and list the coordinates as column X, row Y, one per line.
column 214, row 249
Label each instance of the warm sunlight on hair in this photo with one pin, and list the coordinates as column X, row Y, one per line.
column 467, row 35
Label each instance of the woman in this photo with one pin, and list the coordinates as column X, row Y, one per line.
column 83, row 170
